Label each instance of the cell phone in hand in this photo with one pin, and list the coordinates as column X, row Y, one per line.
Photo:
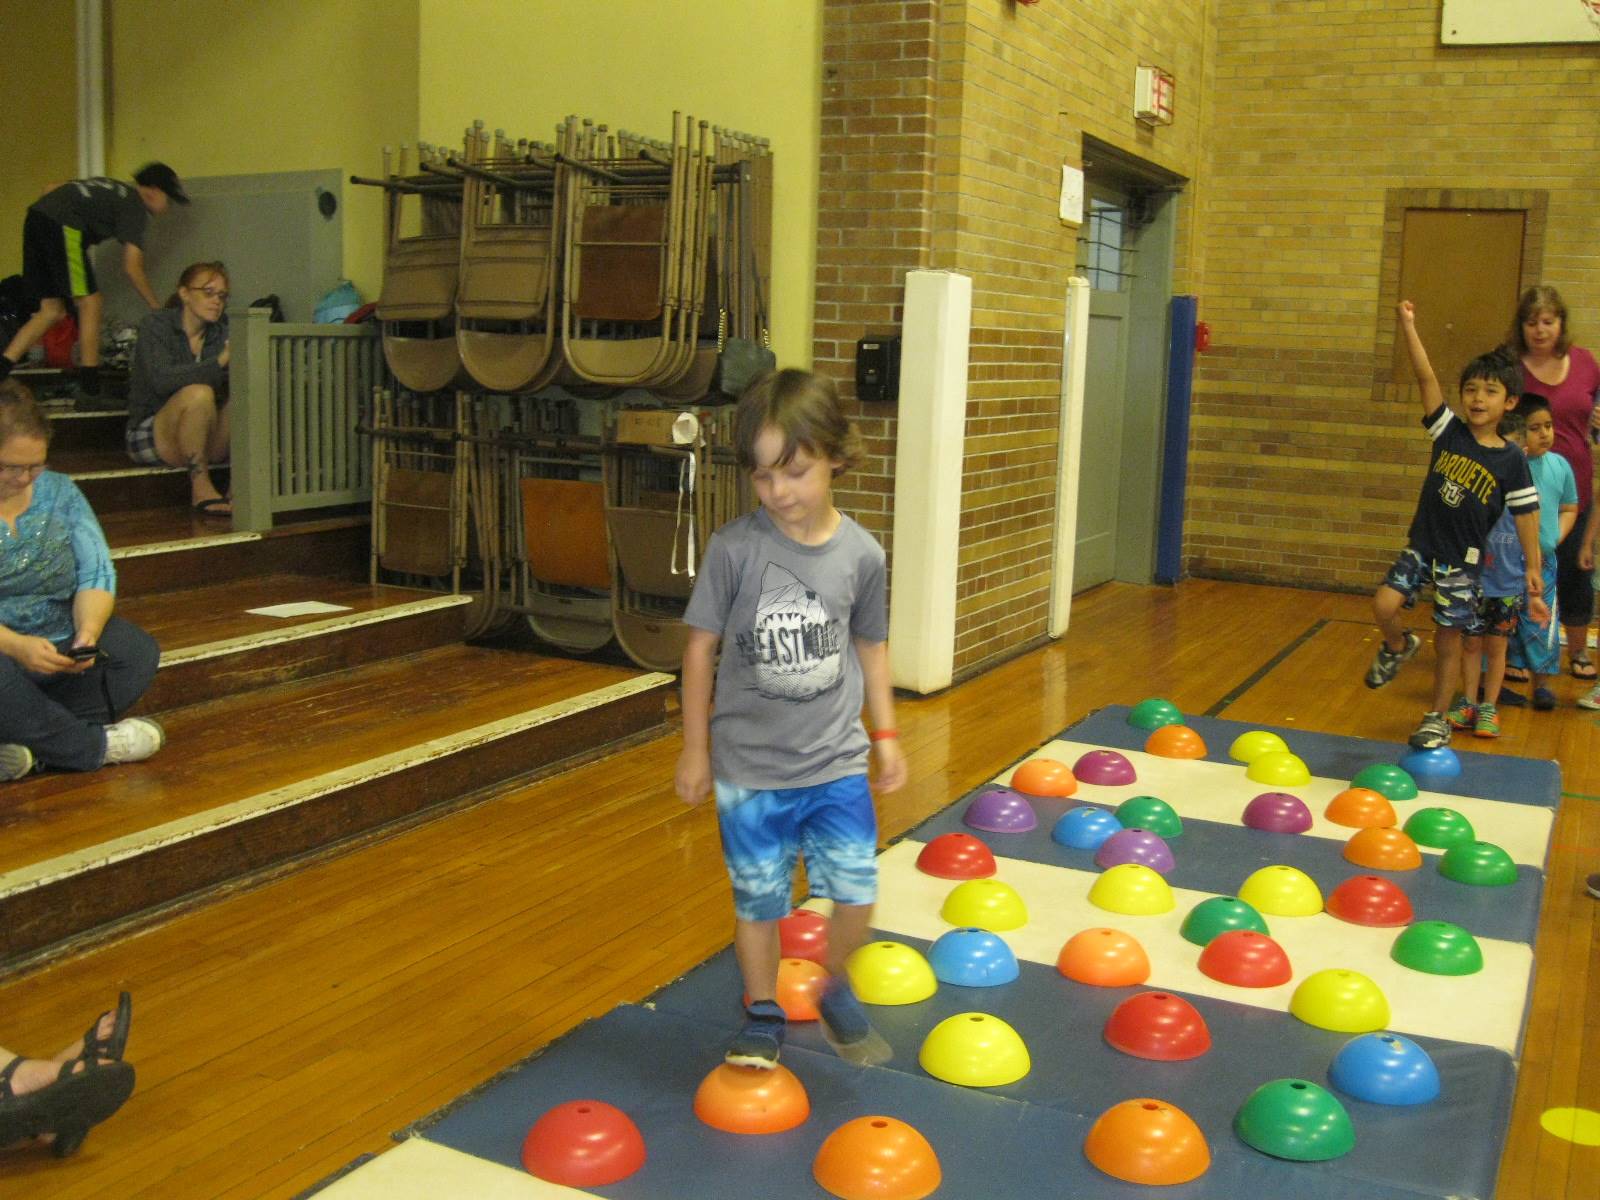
column 80, row 653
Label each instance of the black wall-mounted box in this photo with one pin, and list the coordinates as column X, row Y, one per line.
column 878, row 369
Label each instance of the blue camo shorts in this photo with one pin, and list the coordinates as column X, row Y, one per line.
column 1497, row 617
column 763, row 832
column 1457, row 596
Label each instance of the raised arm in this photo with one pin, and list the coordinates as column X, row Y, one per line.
column 1432, row 397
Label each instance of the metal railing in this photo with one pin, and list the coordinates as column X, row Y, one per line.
column 298, row 393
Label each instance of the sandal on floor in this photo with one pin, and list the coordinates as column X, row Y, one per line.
column 114, row 1046
column 1518, row 675
column 219, row 507
column 1582, row 668
column 68, row 1108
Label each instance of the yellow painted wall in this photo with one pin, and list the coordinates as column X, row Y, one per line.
column 253, row 86
column 39, row 134
column 751, row 65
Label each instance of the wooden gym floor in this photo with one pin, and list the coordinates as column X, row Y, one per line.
column 283, row 1029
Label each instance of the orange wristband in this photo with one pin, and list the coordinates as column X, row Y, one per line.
column 879, row 735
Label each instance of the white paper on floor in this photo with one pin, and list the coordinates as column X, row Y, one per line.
column 299, row 608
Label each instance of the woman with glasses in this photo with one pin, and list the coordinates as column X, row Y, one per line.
column 178, row 386
column 68, row 668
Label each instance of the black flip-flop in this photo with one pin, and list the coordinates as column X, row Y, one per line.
column 67, row 1108
column 1518, row 675
column 1588, row 671
column 113, row 1047
column 219, row 507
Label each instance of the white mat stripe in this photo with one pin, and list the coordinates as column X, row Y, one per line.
column 418, row 1169
column 1484, row 1008
column 1213, row 791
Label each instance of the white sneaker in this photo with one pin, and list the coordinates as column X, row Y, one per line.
column 1590, row 699
column 16, row 762
column 133, row 739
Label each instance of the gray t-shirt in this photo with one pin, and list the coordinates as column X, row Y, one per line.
column 788, row 694
column 99, row 208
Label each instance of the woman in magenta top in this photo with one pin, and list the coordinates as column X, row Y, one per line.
column 1568, row 377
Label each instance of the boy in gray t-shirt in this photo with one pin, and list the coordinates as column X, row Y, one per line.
column 793, row 594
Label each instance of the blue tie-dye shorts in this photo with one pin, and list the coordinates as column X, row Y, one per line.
column 763, row 832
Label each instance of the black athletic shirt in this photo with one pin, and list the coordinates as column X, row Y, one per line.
column 1467, row 487
column 99, row 208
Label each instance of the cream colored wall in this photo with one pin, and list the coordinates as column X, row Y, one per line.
column 246, row 87
column 38, row 61
column 751, row 65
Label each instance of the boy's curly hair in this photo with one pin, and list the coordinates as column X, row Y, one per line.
column 805, row 408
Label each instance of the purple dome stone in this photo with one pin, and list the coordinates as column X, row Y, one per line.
column 1135, row 846
column 998, row 810
column 1104, row 767
column 1278, row 812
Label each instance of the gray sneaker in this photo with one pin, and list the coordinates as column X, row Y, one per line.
column 133, row 739
column 1593, row 884
column 16, row 762
column 1386, row 664
column 1433, row 732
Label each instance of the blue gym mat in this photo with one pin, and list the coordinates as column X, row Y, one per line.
column 1025, row 1140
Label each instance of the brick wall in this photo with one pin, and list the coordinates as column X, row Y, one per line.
column 959, row 168
column 1329, row 115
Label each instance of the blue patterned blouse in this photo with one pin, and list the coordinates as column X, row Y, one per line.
column 56, row 551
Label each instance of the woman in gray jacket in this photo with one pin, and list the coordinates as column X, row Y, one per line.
column 178, row 388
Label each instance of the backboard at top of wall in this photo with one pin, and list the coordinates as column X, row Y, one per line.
column 1503, row 22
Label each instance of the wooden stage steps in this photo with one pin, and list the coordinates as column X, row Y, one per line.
column 285, row 735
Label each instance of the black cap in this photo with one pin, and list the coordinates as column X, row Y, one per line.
column 163, row 178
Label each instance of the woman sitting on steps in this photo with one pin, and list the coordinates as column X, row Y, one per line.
column 178, row 385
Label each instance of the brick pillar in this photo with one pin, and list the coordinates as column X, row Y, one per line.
column 875, row 208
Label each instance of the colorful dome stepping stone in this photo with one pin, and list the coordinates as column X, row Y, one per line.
column 1000, row 810
column 1135, row 846
column 973, row 958
column 1149, row 1142
column 974, row 1049
column 890, row 973
column 1481, row 864
column 1360, row 808
column 1246, row 958
column 1133, row 890
column 1279, row 769
column 1105, row 768
column 1383, row 849
column 1102, row 957
column 583, row 1144
column 1154, row 713
column 804, row 933
column 1044, row 777
column 1297, row 1120
column 987, row 904
column 1152, row 813
column 1219, row 914
column 1277, row 812
column 956, row 856
column 1175, row 741
column 1385, row 1068
column 877, row 1158
column 1438, row 948
column 1440, row 828
column 800, row 986
column 1431, row 767
column 1249, row 746
column 1342, row 1000
column 1387, row 779
column 1084, row 828
column 1370, row 900
column 1282, row 891
column 1158, row 1026
column 752, row 1100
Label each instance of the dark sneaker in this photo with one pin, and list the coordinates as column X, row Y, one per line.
column 1509, row 699
column 1386, row 664
column 1543, row 699
column 1462, row 715
column 1488, row 723
column 1433, row 732
column 847, row 1030
column 16, row 762
column 758, row 1043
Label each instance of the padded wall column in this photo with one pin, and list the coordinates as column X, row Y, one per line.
column 927, row 486
column 1074, row 357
